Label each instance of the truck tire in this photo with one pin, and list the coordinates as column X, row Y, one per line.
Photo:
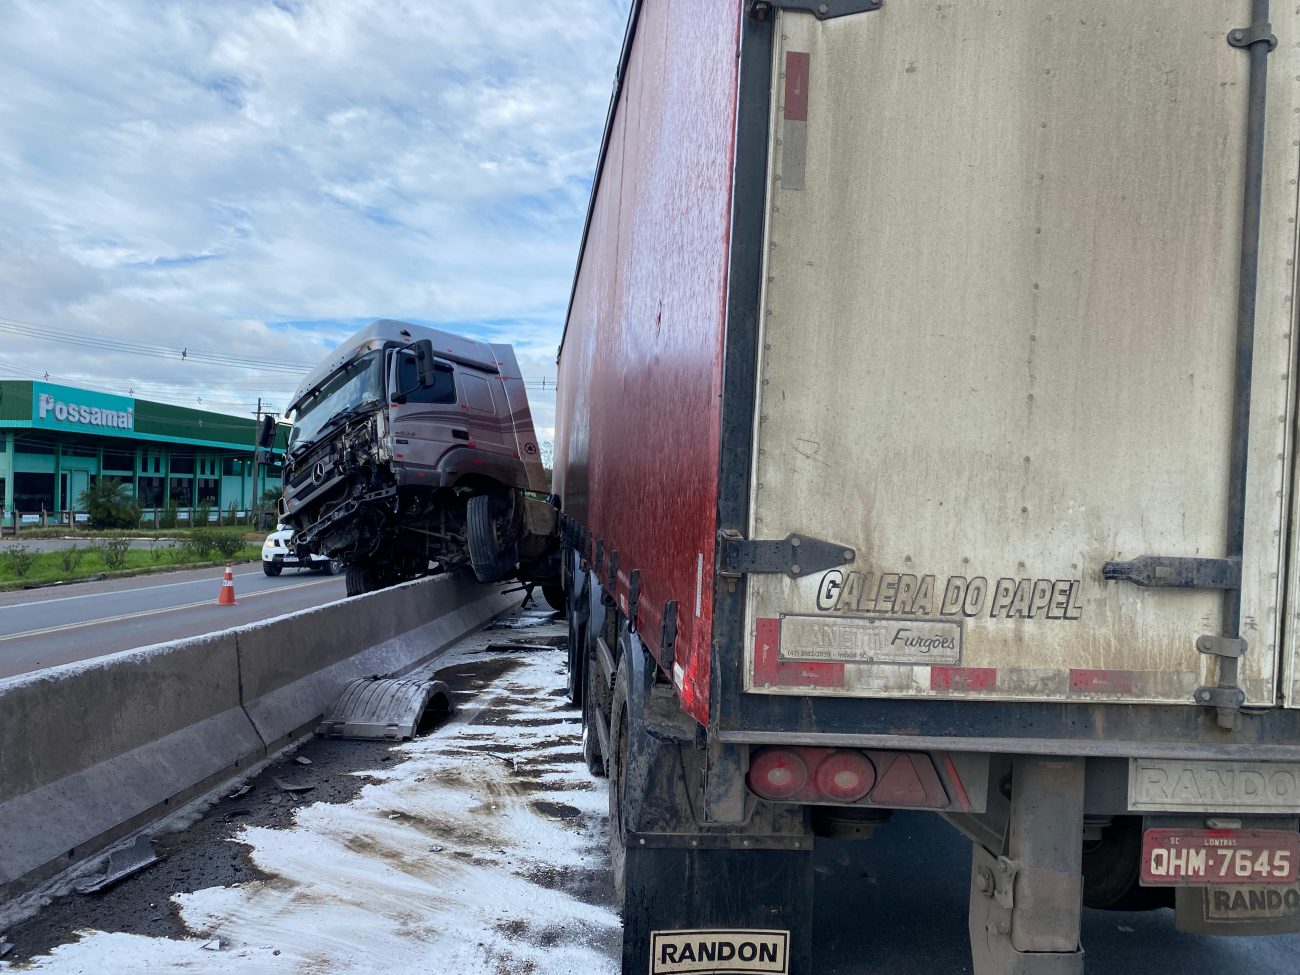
column 493, row 547
column 618, row 784
column 361, row 579
column 554, row 596
column 272, row 568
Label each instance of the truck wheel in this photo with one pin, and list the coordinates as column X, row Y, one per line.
column 272, row 568
column 361, row 579
column 493, row 547
column 330, row 567
column 554, row 596
column 1111, row 868
column 591, row 713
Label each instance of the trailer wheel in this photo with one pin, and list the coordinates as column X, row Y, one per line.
column 489, row 527
column 1111, row 868
column 618, row 785
column 554, row 596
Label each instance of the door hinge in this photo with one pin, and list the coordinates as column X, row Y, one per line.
column 1164, row 572
column 1167, row 572
column 795, row 555
column 821, row 9
column 1246, row 36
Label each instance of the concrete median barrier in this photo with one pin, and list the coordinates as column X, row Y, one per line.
column 90, row 752
column 293, row 668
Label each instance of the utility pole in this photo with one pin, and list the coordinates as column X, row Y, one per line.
column 255, row 503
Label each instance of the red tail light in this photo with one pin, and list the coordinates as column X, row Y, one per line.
column 845, row 776
column 777, row 773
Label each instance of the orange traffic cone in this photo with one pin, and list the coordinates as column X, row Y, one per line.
column 227, row 597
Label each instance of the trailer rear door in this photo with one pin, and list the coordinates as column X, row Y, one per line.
column 998, row 341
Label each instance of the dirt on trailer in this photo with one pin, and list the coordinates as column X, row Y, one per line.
column 478, row 848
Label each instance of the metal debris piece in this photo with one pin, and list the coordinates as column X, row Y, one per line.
column 213, row 945
column 436, row 849
column 522, row 622
column 302, row 760
column 236, row 812
column 384, row 708
column 5, row 948
column 121, row 864
column 292, row 786
column 240, row 792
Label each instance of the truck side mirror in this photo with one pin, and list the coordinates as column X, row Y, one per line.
column 266, row 433
column 424, row 363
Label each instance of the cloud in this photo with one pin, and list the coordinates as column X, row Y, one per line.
column 260, row 177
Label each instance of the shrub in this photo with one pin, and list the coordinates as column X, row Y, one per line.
column 17, row 559
column 232, row 518
column 199, row 545
column 202, row 513
column 70, row 558
column 168, row 517
column 112, row 551
column 228, row 544
column 110, row 504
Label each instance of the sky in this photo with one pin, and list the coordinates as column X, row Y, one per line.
column 256, row 179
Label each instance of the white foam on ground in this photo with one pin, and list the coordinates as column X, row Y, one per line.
column 364, row 887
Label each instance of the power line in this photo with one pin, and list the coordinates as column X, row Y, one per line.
column 105, row 343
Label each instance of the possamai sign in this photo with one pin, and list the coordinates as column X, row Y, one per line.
column 61, row 408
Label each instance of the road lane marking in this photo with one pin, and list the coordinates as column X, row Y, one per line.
column 119, row 592
column 63, row 627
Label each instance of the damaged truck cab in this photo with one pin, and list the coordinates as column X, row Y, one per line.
column 411, row 445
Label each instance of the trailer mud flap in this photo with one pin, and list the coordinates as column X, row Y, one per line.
column 718, row 911
column 1238, row 910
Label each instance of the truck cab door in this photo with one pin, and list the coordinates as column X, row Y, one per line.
column 425, row 420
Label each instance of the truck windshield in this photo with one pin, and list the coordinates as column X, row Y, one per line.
column 358, row 383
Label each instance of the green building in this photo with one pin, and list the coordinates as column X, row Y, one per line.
column 55, row 441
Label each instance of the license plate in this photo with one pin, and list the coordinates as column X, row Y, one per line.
column 1182, row 857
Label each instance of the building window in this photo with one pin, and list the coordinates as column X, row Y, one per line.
column 32, row 492
column 179, row 490
column 150, row 492
column 182, row 464
column 208, row 491
column 233, row 467
column 119, row 460
column 23, row 445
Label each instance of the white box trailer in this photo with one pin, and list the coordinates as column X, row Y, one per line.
column 926, row 440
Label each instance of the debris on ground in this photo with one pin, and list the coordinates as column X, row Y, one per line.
column 121, row 864
column 292, row 786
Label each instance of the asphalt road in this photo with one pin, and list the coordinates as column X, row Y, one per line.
column 896, row 904
column 59, row 624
